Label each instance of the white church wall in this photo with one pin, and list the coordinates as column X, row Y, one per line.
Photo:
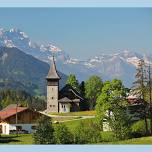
column 64, row 107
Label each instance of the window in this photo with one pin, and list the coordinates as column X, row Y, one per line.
column 0, row 129
column 5, row 129
column 18, row 128
column 53, row 105
column 52, row 97
column 33, row 127
column 50, row 105
column 62, row 106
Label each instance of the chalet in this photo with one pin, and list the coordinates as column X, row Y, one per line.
column 65, row 100
column 14, row 119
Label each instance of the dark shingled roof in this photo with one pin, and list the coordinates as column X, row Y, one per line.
column 69, row 92
column 53, row 74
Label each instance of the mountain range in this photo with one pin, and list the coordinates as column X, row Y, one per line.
column 22, row 71
column 121, row 65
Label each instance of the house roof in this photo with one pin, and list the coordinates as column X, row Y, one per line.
column 53, row 74
column 65, row 99
column 6, row 113
column 10, row 106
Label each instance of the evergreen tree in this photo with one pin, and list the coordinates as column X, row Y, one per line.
column 84, row 105
column 82, row 88
column 139, row 88
column 149, row 92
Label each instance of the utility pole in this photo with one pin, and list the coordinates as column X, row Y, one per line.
column 16, row 118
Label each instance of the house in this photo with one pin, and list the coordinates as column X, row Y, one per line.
column 65, row 100
column 15, row 119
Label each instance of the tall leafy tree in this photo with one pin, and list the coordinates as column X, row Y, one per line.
column 111, row 107
column 93, row 87
column 44, row 131
column 73, row 82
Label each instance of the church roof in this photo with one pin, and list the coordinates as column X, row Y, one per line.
column 69, row 92
column 53, row 74
column 65, row 99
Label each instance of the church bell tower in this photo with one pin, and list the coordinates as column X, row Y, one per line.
column 52, row 89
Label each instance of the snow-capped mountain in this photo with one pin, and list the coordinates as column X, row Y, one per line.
column 19, row 39
column 120, row 65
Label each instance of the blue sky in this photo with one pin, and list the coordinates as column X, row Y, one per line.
column 84, row 32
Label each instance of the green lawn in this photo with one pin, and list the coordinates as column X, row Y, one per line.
column 142, row 140
column 27, row 138
column 64, row 118
column 72, row 125
column 80, row 113
column 14, row 139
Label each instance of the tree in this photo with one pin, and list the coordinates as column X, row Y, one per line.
column 111, row 107
column 84, row 105
column 62, row 135
column 93, row 87
column 139, row 88
column 44, row 131
column 149, row 86
column 82, row 88
column 73, row 82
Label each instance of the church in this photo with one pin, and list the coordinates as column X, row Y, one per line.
column 65, row 100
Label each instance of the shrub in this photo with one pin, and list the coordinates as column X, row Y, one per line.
column 62, row 135
column 138, row 128
column 108, row 136
column 44, row 131
column 87, row 134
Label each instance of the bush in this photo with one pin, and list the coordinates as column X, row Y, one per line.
column 86, row 134
column 138, row 128
column 62, row 135
column 108, row 136
column 44, row 131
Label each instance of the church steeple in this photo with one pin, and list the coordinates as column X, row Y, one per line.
column 53, row 74
column 52, row 88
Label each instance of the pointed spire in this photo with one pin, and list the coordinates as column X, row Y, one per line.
column 53, row 74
